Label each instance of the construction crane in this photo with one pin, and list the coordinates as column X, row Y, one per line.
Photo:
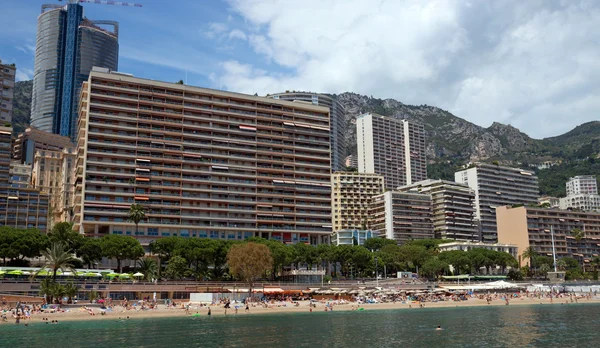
column 104, row 2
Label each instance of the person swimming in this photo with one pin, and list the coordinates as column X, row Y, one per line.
column 439, row 328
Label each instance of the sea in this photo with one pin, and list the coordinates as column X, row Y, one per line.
column 565, row 325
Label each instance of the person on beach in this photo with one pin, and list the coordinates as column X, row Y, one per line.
column 247, row 308
column 209, row 313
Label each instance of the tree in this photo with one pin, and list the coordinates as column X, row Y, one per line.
column 177, row 267
column 57, row 257
column 63, row 232
column 375, row 244
column 136, row 214
column 434, row 267
column 165, row 248
column 147, row 266
column 530, row 253
column 120, row 248
column 70, row 291
column 90, row 251
column 249, row 261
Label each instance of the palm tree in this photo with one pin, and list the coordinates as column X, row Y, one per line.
column 56, row 257
column 70, row 290
column 578, row 234
column 530, row 253
column 136, row 215
column 148, row 267
column 561, row 264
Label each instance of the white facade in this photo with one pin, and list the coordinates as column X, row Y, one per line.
column 583, row 202
column 391, row 147
column 466, row 246
column 583, row 184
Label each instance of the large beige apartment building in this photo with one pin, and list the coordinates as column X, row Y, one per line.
column 497, row 186
column 402, row 216
column 536, row 227
column 391, row 147
column 7, row 86
column 351, row 194
column 202, row 162
column 453, row 207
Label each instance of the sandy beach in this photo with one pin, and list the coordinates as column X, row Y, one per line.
column 278, row 307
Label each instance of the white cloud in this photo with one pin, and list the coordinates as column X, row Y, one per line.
column 237, row 34
column 215, row 30
column 23, row 74
column 26, row 48
column 532, row 64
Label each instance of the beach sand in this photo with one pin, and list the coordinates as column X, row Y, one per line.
column 163, row 312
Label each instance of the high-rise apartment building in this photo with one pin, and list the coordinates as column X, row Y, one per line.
column 68, row 46
column 20, row 175
column 582, row 194
column 537, row 228
column 391, row 147
column 582, row 184
column 202, row 162
column 52, row 175
column 337, row 121
column 402, row 216
column 351, row 161
column 351, row 195
column 5, row 143
column 453, row 207
column 19, row 207
column 7, row 86
column 496, row 186
column 33, row 140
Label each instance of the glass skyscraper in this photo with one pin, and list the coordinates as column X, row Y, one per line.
column 68, row 46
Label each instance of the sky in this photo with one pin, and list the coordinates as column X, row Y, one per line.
column 533, row 64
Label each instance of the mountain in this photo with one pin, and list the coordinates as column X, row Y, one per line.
column 452, row 138
column 22, row 105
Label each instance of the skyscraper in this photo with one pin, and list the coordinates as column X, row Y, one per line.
column 391, row 147
column 337, row 121
column 496, row 186
column 68, row 46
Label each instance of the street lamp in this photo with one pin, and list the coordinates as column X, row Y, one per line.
column 376, row 275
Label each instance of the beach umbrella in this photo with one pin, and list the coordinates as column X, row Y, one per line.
column 124, row 276
column 2, row 272
column 92, row 274
column 111, row 275
column 138, row 274
column 15, row 272
column 43, row 273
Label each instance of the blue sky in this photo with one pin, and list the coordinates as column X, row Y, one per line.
column 162, row 40
column 533, row 64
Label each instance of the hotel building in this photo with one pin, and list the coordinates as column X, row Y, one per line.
column 351, row 194
column 496, row 186
column 203, row 163
column 7, row 86
column 453, row 207
column 391, row 147
column 402, row 216
column 32, row 140
column 582, row 184
column 52, row 174
column 535, row 227
column 5, row 142
column 337, row 122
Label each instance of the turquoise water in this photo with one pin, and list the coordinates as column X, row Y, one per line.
column 569, row 325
